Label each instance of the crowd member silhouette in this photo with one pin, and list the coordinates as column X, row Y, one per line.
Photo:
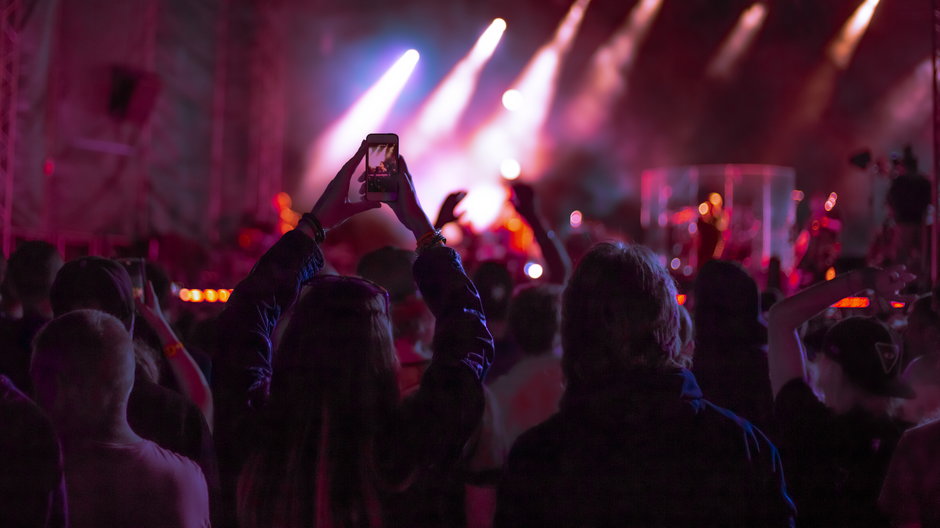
column 836, row 449
column 32, row 268
column 910, row 496
column 156, row 413
column 83, row 370
column 317, row 431
column 730, row 342
column 470, row 496
column 529, row 393
column 634, row 443
column 32, row 486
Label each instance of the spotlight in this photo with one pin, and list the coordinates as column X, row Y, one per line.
column 740, row 39
column 364, row 116
column 510, row 169
column 438, row 117
column 843, row 48
column 513, row 100
column 533, row 270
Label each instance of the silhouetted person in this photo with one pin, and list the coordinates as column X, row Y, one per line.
column 32, row 268
column 32, row 487
column 634, row 443
column 154, row 412
column 529, row 393
column 495, row 284
column 83, row 369
column 837, row 441
column 731, row 342
column 317, row 431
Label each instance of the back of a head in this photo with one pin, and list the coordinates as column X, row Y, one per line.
column 31, row 270
column 619, row 313
column 495, row 284
column 94, row 283
column 534, row 317
column 84, row 352
column 727, row 303
column 390, row 268
column 334, row 386
column 338, row 347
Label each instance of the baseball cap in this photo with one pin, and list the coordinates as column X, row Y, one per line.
column 867, row 353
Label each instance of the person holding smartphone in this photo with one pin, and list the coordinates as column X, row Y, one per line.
column 317, row 434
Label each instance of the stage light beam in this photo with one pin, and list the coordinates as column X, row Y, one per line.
column 366, row 115
column 609, row 69
column 438, row 117
column 729, row 56
column 843, row 48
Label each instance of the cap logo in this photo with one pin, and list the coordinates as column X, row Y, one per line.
column 889, row 355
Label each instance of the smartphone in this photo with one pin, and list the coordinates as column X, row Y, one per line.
column 137, row 269
column 382, row 167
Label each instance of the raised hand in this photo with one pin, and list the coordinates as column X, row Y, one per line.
column 446, row 214
column 524, row 200
column 889, row 282
column 332, row 209
column 406, row 207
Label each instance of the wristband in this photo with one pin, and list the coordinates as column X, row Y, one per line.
column 173, row 349
column 319, row 234
column 430, row 239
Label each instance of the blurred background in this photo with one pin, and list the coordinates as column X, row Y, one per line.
column 193, row 133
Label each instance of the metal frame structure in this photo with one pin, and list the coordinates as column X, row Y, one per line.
column 10, row 14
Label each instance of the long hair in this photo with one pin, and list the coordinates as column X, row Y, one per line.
column 619, row 312
column 333, row 390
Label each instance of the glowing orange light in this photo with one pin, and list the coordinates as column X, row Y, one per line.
column 853, row 302
column 224, row 295
column 514, row 224
column 797, row 195
column 703, row 208
column 715, row 199
column 211, row 296
column 681, row 298
column 896, row 304
column 196, row 296
column 282, row 200
column 185, row 295
column 830, row 274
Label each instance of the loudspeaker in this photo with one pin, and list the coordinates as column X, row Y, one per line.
column 133, row 94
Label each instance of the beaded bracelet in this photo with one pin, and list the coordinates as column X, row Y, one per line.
column 319, row 234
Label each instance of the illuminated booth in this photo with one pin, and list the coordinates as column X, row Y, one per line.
column 734, row 212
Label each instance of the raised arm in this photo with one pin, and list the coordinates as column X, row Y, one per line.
column 556, row 257
column 786, row 357
column 188, row 376
column 436, row 421
column 256, row 305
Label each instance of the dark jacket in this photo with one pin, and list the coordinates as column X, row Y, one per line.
column 430, row 427
column 647, row 452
